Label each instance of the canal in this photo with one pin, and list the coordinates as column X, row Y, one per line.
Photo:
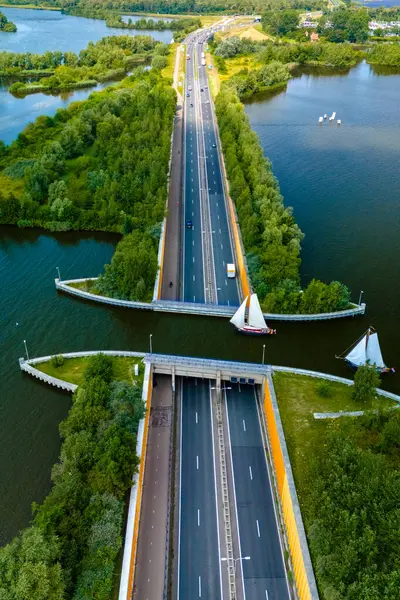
column 342, row 183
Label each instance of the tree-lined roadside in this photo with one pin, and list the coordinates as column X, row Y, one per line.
column 270, row 234
column 101, row 164
column 70, row 549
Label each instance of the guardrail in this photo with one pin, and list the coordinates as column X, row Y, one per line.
column 193, row 308
column 300, row 556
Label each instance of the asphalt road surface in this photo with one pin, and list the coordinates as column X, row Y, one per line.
column 264, row 574
column 199, row 130
column 199, row 556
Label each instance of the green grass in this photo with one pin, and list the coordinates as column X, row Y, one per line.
column 86, row 286
column 73, row 368
column 298, row 399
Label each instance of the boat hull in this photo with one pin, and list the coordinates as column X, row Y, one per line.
column 254, row 331
column 381, row 371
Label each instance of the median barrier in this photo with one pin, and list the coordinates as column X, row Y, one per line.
column 300, row 557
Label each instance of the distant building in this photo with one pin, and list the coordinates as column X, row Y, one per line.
column 310, row 24
column 314, row 37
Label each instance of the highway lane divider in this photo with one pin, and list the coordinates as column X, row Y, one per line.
column 211, row 310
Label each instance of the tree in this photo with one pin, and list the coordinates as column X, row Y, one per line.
column 280, row 22
column 159, row 62
column 366, row 380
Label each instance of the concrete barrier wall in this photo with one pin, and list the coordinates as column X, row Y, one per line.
column 135, row 501
column 211, row 310
column 297, row 541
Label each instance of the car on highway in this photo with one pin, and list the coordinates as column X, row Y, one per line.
column 190, row 88
column 201, row 90
column 191, row 104
column 189, row 224
column 214, row 145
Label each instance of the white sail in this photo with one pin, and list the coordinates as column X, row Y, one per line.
column 238, row 317
column 256, row 318
column 358, row 356
column 374, row 354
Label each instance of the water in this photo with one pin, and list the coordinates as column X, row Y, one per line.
column 379, row 3
column 16, row 113
column 42, row 30
column 343, row 184
column 39, row 31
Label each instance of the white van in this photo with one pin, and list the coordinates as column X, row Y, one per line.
column 230, row 270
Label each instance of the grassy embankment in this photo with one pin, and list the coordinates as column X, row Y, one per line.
column 72, row 370
column 245, row 28
column 298, row 398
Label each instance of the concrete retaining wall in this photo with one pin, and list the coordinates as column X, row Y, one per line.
column 211, row 310
column 135, row 500
column 27, row 366
column 303, row 571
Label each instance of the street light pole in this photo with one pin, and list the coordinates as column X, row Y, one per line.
column 151, row 344
column 263, row 355
column 58, row 271
column 235, row 560
column 359, row 300
column 26, row 350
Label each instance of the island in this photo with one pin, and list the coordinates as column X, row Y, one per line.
column 6, row 25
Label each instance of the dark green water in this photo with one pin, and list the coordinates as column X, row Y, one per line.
column 343, row 184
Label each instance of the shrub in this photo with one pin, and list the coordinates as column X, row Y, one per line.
column 57, row 361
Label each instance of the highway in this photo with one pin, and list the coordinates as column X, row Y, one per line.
column 199, row 556
column 207, row 246
column 207, row 249
column 264, row 574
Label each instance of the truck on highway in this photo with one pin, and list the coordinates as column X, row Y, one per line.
column 203, row 55
column 203, row 62
column 230, row 270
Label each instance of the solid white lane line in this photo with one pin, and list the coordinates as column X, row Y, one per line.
column 197, row 462
column 194, row 277
column 266, row 595
column 244, row 424
column 199, row 586
column 197, row 418
column 198, row 517
column 258, row 529
column 251, row 473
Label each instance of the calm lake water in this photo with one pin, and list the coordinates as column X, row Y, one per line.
column 343, row 184
column 39, row 31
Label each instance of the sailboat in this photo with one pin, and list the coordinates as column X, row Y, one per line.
column 366, row 350
column 255, row 323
